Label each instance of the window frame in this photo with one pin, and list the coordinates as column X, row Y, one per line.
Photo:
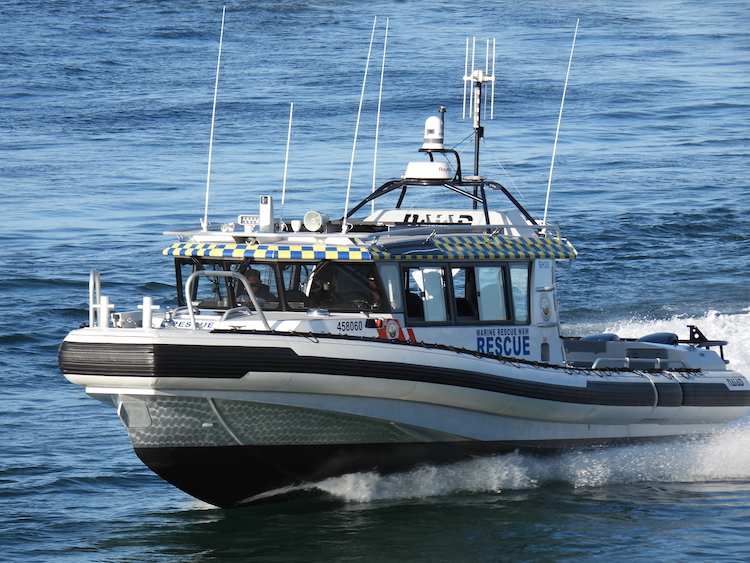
column 450, row 293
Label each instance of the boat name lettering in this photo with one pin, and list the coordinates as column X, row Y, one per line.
column 188, row 324
column 735, row 382
column 514, row 331
column 350, row 325
column 437, row 218
column 504, row 342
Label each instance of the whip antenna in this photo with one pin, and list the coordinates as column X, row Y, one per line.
column 494, row 60
column 204, row 222
column 356, row 128
column 466, row 73
column 286, row 162
column 377, row 120
column 559, row 120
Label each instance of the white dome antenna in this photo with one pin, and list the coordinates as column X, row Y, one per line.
column 433, row 133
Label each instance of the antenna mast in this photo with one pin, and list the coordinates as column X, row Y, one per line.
column 204, row 222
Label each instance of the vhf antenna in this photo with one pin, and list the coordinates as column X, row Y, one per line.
column 477, row 77
column 559, row 120
column 204, row 222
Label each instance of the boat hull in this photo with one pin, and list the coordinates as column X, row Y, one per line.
column 232, row 453
column 235, row 419
column 235, row 476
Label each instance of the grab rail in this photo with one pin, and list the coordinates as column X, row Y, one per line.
column 626, row 361
column 229, row 312
column 448, row 229
column 221, row 274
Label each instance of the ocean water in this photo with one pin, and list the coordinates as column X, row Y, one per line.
column 106, row 111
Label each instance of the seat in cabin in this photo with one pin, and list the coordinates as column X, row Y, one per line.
column 414, row 305
column 465, row 308
column 296, row 299
column 324, row 297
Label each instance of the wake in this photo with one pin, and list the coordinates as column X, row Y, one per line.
column 723, row 457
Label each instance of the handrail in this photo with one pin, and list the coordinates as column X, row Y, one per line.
column 448, row 227
column 627, row 359
column 401, row 228
column 364, row 238
column 244, row 310
column 221, row 274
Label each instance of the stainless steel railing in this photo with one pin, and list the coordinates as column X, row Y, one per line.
column 221, row 274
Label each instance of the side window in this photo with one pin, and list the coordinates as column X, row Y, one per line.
column 184, row 269
column 391, row 286
column 425, row 294
column 321, row 287
column 491, row 293
column 295, row 280
column 519, row 281
column 347, row 287
column 465, row 293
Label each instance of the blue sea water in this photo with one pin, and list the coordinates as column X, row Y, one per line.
column 106, row 110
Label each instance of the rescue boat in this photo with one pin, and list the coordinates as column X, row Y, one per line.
column 311, row 349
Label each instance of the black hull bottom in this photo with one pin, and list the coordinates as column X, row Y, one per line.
column 233, row 476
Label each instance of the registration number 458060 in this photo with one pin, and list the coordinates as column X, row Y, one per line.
column 346, row 326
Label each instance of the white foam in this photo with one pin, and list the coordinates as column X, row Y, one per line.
column 725, row 457
column 512, row 471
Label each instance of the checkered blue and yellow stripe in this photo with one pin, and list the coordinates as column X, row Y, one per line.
column 468, row 247
column 505, row 247
column 270, row 251
column 475, row 247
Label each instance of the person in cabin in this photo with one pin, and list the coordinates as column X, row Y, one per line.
column 262, row 291
column 376, row 299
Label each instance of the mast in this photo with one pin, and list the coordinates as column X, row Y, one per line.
column 478, row 129
column 477, row 78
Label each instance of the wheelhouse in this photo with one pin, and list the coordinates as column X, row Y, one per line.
column 426, row 292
